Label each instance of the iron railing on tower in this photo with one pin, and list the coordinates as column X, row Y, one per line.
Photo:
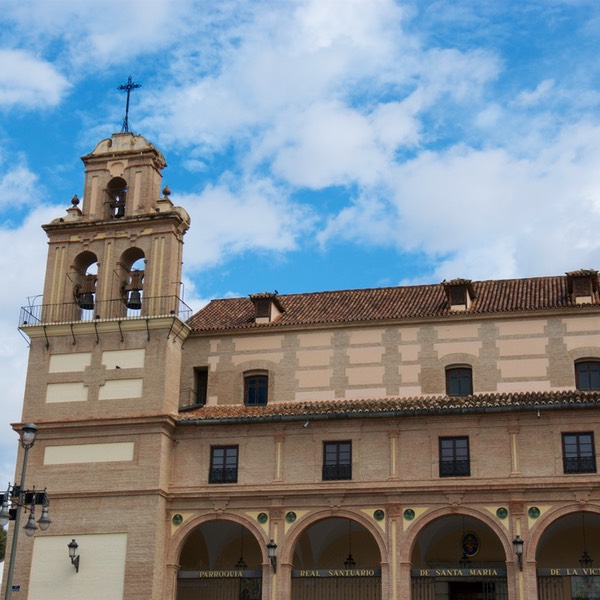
column 70, row 312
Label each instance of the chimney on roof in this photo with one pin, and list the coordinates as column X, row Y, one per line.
column 582, row 284
column 460, row 293
column 266, row 307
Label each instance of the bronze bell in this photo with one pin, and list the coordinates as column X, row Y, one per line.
column 86, row 301
column 134, row 301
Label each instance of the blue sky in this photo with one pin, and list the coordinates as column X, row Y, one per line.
column 317, row 144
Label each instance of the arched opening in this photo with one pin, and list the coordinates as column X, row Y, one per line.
column 336, row 559
column 85, row 276
column 116, row 191
column 458, row 557
column 220, row 560
column 565, row 556
column 132, row 271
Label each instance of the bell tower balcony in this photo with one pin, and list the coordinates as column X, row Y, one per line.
column 130, row 307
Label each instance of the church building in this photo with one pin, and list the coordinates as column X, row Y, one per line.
column 427, row 442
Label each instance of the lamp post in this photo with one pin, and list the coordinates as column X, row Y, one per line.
column 21, row 497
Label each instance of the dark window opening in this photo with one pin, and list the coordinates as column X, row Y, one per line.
column 459, row 381
column 256, row 389
column 223, row 464
column 200, row 385
column 337, row 461
column 582, row 286
column 579, row 455
column 587, row 375
column 458, row 295
column 263, row 307
column 454, row 457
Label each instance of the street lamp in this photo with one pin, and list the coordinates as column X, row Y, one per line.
column 21, row 498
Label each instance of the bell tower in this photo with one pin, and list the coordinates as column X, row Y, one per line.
column 123, row 245
column 103, row 379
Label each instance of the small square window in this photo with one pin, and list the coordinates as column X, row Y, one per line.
column 454, row 457
column 459, row 381
column 256, row 388
column 337, row 461
column 223, row 464
column 587, row 375
column 579, row 455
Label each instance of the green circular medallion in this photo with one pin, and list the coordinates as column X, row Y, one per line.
column 534, row 512
column 290, row 517
column 379, row 515
column 409, row 514
column 177, row 519
column 262, row 518
column 502, row 513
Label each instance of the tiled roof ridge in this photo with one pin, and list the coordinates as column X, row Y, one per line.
column 364, row 305
column 387, row 405
column 403, row 286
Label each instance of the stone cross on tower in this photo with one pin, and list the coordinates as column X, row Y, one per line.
column 127, row 87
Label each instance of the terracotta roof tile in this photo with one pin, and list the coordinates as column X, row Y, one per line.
column 394, row 303
column 491, row 402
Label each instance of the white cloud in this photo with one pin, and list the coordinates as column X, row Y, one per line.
column 22, row 262
column 231, row 219
column 83, row 35
column 530, row 98
column 19, row 190
column 486, row 213
column 29, row 81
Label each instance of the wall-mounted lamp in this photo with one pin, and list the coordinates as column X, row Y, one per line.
column 518, row 545
column 73, row 545
column 272, row 550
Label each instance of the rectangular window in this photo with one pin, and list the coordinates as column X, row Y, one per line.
column 263, row 307
column 458, row 295
column 459, row 381
column 337, row 460
column 579, row 455
column 587, row 375
column 200, row 385
column 454, row 457
column 223, row 464
column 256, row 389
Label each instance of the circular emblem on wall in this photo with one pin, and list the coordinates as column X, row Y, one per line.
column 379, row 515
column 177, row 519
column 502, row 513
column 534, row 512
column 290, row 517
column 470, row 544
column 262, row 518
column 409, row 514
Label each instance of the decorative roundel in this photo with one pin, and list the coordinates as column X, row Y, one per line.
column 470, row 544
column 290, row 517
column 534, row 512
column 177, row 519
column 502, row 513
column 379, row 515
column 262, row 518
column 409, row 514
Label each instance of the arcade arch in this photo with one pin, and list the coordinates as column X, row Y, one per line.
column 336, row 558
column 565, row 554
column 458, row 556
column 220, row 560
